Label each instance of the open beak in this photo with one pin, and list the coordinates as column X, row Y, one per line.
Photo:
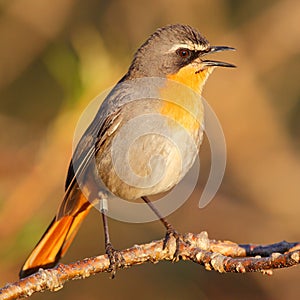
column 215, row 63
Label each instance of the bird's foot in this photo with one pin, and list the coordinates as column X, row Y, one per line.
column 171, row 232
column 116, row 260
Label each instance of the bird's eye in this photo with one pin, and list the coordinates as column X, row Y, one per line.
column 184, row 53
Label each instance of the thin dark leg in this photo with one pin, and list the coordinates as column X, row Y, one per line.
column 114, row 256
column 170, row 230
column 106, row 231
column 155, row 210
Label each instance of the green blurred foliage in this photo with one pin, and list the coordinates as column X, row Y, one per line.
column 35, row 97
column 243, row 11
column 63, row 64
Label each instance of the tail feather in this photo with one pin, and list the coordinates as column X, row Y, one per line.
column 54, row 243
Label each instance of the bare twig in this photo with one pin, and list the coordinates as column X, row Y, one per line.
column 221, row 256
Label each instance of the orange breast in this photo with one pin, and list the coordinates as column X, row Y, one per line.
column 182, row 93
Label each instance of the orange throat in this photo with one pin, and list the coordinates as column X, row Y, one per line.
column 192, row 77
column 183, row 103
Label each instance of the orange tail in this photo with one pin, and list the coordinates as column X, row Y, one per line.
column 55, row 242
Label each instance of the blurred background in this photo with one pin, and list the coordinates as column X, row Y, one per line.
column 57, row 55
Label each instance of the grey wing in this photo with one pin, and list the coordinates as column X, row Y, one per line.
column 123, row 93
column 83, row 155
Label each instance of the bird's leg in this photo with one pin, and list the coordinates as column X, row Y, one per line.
column 115, row 258
column 170, row 229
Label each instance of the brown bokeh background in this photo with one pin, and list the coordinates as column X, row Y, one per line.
column 56, row 55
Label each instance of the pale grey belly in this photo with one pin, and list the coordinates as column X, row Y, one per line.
column 147, row 156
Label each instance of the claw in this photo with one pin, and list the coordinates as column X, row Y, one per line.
column 116, row 260
column 171, row 232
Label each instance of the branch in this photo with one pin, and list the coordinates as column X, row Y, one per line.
column 221, row 256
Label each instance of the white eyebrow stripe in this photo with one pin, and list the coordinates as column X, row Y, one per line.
column 201, row 47
column 178, row 46
column 190, row 46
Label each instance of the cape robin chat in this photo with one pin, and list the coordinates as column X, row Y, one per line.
column 175, row 53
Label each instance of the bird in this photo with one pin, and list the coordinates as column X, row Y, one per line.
column 173, row 54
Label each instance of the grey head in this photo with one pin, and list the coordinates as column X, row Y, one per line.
column 167, row 50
